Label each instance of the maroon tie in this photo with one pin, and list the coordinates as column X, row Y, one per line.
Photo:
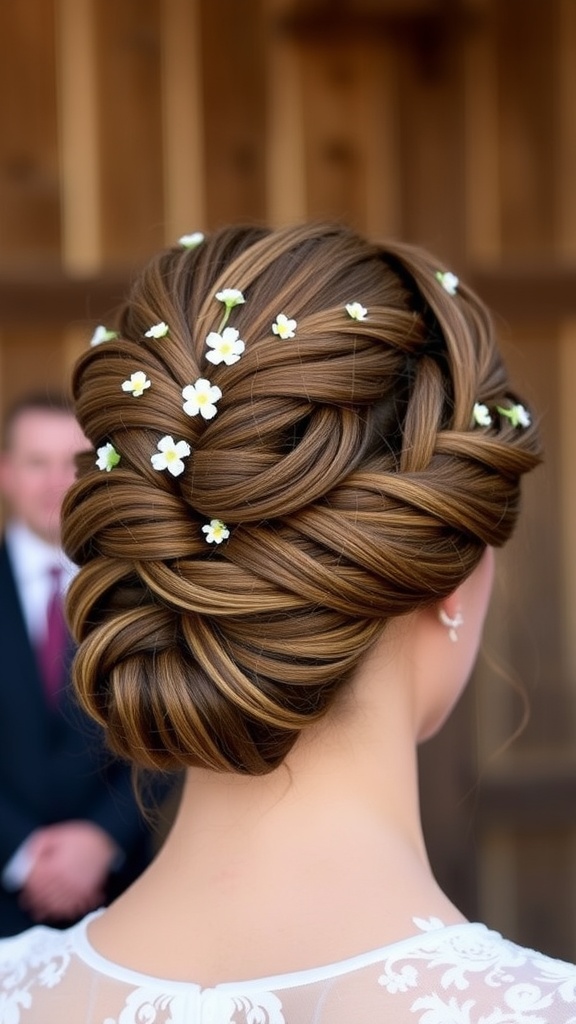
column 52, row 647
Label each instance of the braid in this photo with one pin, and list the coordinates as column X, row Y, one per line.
column 343, row 461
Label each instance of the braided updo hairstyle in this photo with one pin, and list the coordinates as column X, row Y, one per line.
column 344, row 461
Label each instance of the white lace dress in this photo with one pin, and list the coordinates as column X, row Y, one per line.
column 461, row 974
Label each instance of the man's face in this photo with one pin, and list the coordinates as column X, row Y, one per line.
column 38, row 467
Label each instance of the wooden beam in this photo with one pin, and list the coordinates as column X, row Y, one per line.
column 59, row 300
column 514, row 294
column 403, row 21
column 526, row 293
column 544, row 798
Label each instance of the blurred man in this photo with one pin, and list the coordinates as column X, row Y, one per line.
column 69, row 827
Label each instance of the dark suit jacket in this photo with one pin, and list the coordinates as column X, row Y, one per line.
column 54, row 766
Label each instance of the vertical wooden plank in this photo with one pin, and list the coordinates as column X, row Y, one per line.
column 545, row 900
column 377, row 112
column 566, row 446
column 78, row 136
column 29, row 170
column 130, row 129
column 285, row 146
column 351, row 136
column 498, row 903
column 234, row 84
column 565, row 192
column 482, row 155
column 527, row 56
column 183, row 119
column 431, row 110
column 526, row 876
column 334, row 164
column 526, row 623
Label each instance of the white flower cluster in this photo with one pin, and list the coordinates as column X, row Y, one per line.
column 199, row 399
column 517, row 414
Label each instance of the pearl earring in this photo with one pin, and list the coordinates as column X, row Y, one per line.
column 452, row 624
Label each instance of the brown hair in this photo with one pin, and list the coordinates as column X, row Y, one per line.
column 344, row 462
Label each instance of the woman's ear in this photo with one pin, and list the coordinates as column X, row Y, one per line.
column 467, row 604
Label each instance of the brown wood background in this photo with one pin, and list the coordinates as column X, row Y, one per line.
column 125, row 123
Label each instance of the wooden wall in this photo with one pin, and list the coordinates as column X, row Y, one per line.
column 125, row 123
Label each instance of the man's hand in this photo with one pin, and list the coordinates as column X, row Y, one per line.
column 71, row 862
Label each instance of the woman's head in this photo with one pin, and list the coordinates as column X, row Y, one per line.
column 345, row 462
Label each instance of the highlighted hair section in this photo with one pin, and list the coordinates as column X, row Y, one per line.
column 346, row 470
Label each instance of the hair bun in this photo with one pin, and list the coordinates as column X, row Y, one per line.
column 341, row 469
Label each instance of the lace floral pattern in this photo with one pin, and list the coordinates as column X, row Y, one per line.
column 143, row 1006
column 36, row 959
column 469, row 956
column 463, row 974
column 239, row 1009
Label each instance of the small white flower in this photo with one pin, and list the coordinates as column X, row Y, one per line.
column 107, row 457
column 137, row 384
column 216, row 531
column 523, row 418
column 481, row 414
column 518, row 415
column 157, row 330
column 230, row 297
column 448, row 281
column 356, row 310
column 102, row 334
column 170, row 454
column 284, row 327
column 191, row 241
column 201, row 398
column 226, row 347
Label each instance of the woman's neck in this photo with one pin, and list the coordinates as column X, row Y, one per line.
column 336, row 776
column 357, row 764
column 324, row 856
